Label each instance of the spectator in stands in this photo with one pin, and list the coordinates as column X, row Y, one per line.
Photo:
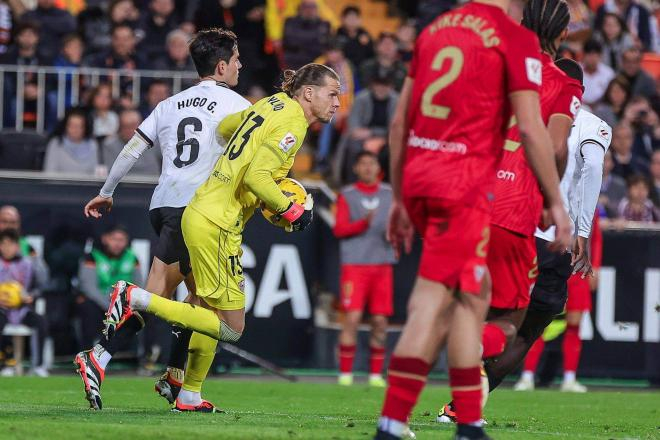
column 69, row 57
column 25, row 52
column 612, row 190
column 637, row 206
column 156, row 24
column 106, row 264
column 177, row 57
column 353, row 38
column 72, row 149
column 597, row 75
column 636, row 16
column 54, row 24
column 10, row 10
column 385, row 63
column 641, row 83
column 150, row 161
column 611, row 108
column 123, row 12
column 368, row 124
column 18, row 293
column 122, row 54
column 334, row 58
column 158, row 90
column 105, row 121
column 612, row 34
column 306, row 36
column 654, row 170
column 646, row 125
column 366, row 266
column 625, row 162
column 406, row 34
column 579, row 28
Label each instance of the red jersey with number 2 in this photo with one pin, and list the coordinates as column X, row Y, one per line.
column 518, row 199
column 465, row 65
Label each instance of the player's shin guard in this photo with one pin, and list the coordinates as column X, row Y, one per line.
column 493, row 341
column 406, row 379
column 195, row 318
column 376, row 359
column 201, row 352
column 466, row 394
column 572, row 347
column 346, row 356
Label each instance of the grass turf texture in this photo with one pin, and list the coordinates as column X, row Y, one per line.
column 54, row 408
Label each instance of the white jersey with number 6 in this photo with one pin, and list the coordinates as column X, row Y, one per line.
column 184, row 127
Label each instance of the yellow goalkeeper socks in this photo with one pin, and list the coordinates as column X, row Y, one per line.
column 195, row 318
column 201, row 351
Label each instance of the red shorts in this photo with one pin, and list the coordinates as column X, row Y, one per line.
column 455, row 242
column 513, row 267
column 362, row 284
column 579, row 294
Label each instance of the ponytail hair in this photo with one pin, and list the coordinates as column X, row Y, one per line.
column 547, row 19
column 308, row 75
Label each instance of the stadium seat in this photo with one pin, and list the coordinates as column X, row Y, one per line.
column 18, row 334
column 22, row 150
column 651, row 63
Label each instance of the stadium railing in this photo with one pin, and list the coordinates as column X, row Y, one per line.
column 64, row 87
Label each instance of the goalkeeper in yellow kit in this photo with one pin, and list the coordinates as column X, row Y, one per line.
column 263, row 141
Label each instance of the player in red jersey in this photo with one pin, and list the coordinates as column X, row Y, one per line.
column 471, row 67
column 512, row 259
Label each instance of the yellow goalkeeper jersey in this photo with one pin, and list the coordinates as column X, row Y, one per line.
column 264, row 140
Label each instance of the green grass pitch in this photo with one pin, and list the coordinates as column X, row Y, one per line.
column 54, row 408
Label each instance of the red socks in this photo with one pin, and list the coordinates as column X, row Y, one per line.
column 493, row 341
column 572, row 347
column 346, row 356
column 406, row 379
column 534, row 355
column 467, row 402
column 376, row 359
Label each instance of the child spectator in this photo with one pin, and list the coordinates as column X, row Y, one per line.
column 637, row 206
column 17, row 281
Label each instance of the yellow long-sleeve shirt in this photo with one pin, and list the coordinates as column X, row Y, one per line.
column 264, row 139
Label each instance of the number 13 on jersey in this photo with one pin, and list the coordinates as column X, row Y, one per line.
column 455, row 57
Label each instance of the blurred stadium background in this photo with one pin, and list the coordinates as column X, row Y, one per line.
column 78, row 76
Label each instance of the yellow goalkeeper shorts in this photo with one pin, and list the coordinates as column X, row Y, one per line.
column 215, row 256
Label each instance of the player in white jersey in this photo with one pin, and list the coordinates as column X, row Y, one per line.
column 184, row 128
column 589, row 139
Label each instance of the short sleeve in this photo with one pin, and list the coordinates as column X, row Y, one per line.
column 523, row 61
column 569, row 100
column 148, row 129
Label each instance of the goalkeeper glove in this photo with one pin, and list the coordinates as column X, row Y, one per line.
column 300, row 216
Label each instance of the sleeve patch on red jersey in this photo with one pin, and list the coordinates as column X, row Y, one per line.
column 575, row 105
column 534, row 69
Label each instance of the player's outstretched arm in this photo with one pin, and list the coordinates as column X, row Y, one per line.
column 130, row 154
column 399, row 228
column 540, row 156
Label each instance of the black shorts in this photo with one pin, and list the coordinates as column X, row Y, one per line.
column 551, row 290
column 170, row 247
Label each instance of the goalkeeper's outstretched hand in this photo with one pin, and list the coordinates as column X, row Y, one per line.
column 300, row 216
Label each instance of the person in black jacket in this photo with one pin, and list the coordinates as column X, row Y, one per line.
column 306, row 36
column 354, row 40
column 54, row 22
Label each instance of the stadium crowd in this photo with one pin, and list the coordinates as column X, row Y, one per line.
column 613, row 39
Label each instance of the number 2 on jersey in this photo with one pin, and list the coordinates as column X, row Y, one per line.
column 455, row 56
